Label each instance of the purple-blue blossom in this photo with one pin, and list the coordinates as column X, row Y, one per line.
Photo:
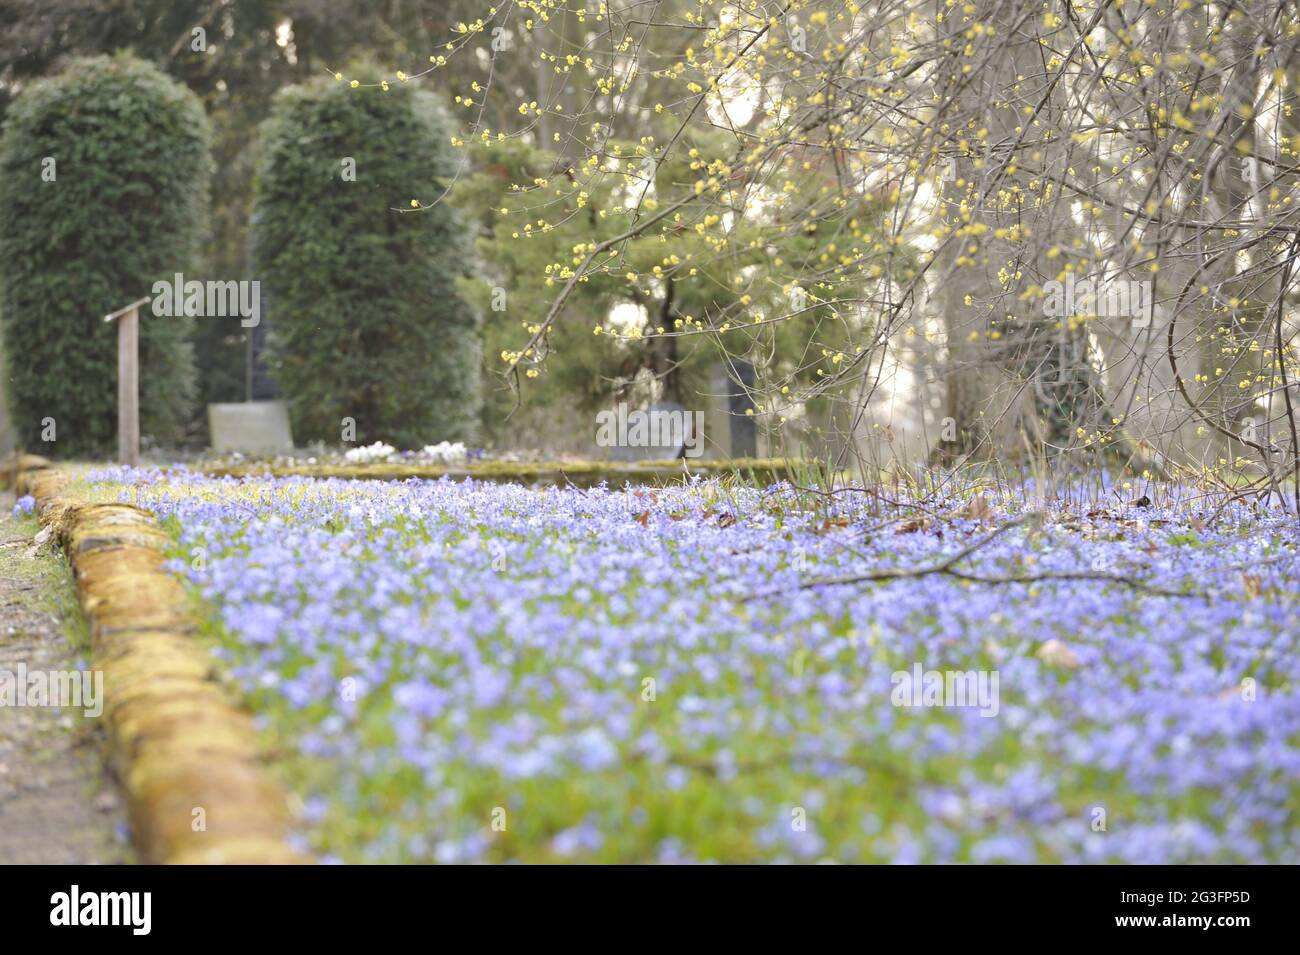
column 629, row 677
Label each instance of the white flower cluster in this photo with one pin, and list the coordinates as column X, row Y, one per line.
column 375, row 452
column 444, row 452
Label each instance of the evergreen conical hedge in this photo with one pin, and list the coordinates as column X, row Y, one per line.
column 365, row 321
column 104, row 173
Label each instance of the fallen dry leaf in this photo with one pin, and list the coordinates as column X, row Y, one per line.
column 1055, row 653
column 978, row 509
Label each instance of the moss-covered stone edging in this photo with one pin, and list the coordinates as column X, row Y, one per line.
column 580, row 473
column 183, row 750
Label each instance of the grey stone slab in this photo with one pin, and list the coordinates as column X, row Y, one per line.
column 250, row 427
column 663, row 432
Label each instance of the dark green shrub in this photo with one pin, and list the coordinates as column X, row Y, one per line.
column 365, row 321
column 126, row 207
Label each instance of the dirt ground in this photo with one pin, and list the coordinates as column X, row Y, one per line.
column 57, row 803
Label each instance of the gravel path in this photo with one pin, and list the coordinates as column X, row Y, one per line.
column 57, row 805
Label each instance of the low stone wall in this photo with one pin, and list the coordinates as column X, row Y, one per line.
column 580, row 473
column 185, row 752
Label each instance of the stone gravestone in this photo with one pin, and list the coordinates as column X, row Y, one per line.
column 258, row 385
column 261, row 387
column 250, row 427
column 667, row 427
column 732, row 433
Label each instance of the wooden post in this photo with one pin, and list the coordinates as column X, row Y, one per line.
column 128, row 381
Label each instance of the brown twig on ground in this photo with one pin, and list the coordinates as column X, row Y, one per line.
column 948, row 566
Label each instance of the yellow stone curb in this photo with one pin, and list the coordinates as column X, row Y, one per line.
column 179, row 743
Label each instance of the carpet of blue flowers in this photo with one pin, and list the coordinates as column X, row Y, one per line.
column 460, row 671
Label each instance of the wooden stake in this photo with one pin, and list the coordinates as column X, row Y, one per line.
column 128, row 381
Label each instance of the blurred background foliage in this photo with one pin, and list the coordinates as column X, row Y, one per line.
column 126, row 150
column 254, row 48
column 368, row 325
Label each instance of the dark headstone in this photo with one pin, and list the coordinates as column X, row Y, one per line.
column 261, row 387
column 744, row 430
column 259, row 384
